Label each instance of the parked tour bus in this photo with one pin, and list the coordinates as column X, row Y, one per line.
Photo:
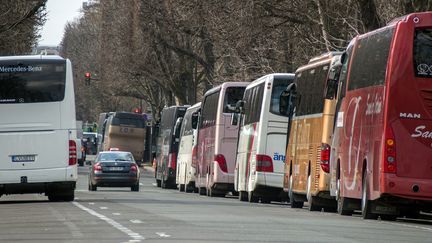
column 261, row 146
column 307, row 169
column 37, row 127
column 186, row 158
column 217, row 139
column 381, row 150
column 167, row 145
column 124, row 131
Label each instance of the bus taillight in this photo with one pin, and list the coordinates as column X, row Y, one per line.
column 220, row 159
column 72, row 152
column 264, row 163
column 389, row 152
column 325, row 157
column 173, row 160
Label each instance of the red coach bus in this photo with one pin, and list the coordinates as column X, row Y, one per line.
column 382, row 144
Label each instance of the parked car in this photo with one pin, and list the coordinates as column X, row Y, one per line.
column 114, row 169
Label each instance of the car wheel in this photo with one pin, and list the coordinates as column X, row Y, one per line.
column 135, row 188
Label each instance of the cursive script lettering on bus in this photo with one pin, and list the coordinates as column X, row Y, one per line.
column 420, row 132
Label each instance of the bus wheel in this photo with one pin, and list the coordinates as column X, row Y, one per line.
column 366, row 204
column 341, row 201
column 202, row 191
column 243, row 196
column 252, row 198
column 181, row 187
column 293, row 202
column 312, row 201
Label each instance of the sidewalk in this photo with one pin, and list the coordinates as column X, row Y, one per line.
column 148, row 167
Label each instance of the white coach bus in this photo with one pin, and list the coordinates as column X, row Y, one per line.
column 260, row 156
column 37, row 127
column 186, row 159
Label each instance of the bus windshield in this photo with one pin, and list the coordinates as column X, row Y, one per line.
column 30, row 81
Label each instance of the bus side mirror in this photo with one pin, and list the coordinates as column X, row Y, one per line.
column 288, row 100
column 194, row 119
column 332, row 82
column 240, row 106
column 235, row 119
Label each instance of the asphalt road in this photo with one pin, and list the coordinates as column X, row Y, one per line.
column 159, row 215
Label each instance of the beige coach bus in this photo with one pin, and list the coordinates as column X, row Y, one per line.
column 124, row 131
column 307, row 158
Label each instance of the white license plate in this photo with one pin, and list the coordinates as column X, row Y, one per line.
column 23, row 158
column 115, row 168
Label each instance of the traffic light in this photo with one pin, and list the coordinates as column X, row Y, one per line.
column 137, row 110
column 87, row 76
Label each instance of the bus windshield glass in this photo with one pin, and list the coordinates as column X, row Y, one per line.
column 27, row 81
column 137, row 123
column 232, row 95
column 279, row 85
column 422, row 53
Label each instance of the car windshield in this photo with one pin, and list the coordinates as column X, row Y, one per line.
column 115, row 157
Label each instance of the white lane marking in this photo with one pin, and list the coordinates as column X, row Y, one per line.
column 91, row 203
column 136, row 221
column 130, row 233
column 103, row 208
column 116, row 214
column 163, row 234
column 141, row 184
column 412, row 226
column 154, row 184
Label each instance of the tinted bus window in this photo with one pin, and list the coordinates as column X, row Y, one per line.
column 310, row 84
column 30, row 81
column 369, row 63
column 209, row 110
column 279, row 85
column 423, row 53
column 253, row 102
column 232, row 95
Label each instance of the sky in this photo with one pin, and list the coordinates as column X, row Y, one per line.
column 59, row 13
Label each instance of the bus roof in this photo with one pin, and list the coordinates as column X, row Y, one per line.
column 272, row 75
column 226, row 85
column 32, row 57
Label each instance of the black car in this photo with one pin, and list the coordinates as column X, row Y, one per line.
column 114, row 169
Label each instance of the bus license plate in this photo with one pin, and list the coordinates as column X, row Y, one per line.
column 23, row 158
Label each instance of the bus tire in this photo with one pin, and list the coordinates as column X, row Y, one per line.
column 252, row 198
column 293, row 202
column 202, row 191
column 181, row 187
column 312, row 201
column 366, row 204
column 243, row 196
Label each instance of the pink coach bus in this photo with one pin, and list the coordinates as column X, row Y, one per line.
column 381, row 151
column 217, row 139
